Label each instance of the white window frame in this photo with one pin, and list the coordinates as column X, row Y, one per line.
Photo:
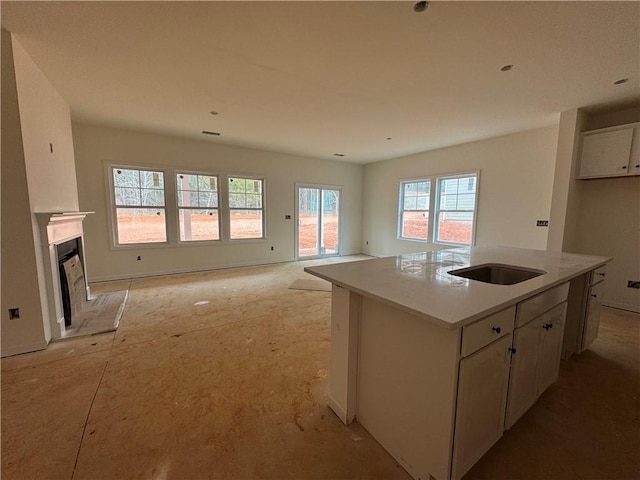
column 113, row 217
column 434, row 206
column 401, row 208
column 229, row 209
column 171, row 208
column 218, row 208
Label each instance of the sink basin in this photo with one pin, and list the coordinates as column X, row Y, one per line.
column 497, row 274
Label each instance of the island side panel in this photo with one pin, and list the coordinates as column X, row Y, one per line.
column 407, row 384
column 345, row 316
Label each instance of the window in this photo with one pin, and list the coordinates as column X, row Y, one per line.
column 245, row 208
column 456, row 209
column 139, row 206
column 414, row 214
column 203, row 207
column 198, row 212
column 444, row 214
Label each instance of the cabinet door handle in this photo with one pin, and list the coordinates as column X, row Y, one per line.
column 547, row 326
column 624, row 167
column 638, row 166
column 496, row 329
column 602, row 274
column 594, row 295
column 512, row 350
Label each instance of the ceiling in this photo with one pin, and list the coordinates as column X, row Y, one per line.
column 369, row 80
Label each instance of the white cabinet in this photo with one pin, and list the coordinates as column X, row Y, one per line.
column 583, row 316
column 610, row 152
column 535, row 363
column 482, row 391
column 594, row 306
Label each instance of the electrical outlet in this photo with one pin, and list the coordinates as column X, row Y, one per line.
column 14, row 313
column 633, row 283
column 287, row 217
column 542, row 223
column 272, row 248
column 139, row 258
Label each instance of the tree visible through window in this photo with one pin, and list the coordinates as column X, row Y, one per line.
column 245, row 208
column 198, row 207
column 140, row 206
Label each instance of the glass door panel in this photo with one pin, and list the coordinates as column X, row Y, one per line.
column 318, row 217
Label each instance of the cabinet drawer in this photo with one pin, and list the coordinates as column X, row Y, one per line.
column 598, row 274
column 529, row 309
column 485, row 331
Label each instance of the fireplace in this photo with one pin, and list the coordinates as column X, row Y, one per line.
column 62, row 238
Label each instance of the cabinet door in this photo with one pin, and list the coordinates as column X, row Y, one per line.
column 482, row 394
column 524, row 364
column 606, row 154
column 550, row 347
column 593, row 315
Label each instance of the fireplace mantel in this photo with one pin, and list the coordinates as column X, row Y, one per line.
column 58, row 227
column 55, row 229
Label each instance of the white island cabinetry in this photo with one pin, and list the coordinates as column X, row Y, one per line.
column 426, row 361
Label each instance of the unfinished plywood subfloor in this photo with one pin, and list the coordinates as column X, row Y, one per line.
column 224, row 375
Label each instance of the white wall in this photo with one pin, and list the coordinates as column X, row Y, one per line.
column 96, row 145
column 516, row 178
column 608, row 220
column 34, row 115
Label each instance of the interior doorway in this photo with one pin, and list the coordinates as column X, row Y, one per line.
column 317, row 221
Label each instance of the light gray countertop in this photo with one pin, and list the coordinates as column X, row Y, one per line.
column 420, row 283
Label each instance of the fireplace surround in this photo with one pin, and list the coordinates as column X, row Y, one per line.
column 62, row 235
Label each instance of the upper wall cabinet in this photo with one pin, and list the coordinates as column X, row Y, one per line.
column 610, row 152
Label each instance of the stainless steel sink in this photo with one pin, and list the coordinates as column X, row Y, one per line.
column 497, row 274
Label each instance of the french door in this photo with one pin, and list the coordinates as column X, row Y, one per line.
column 318, row 221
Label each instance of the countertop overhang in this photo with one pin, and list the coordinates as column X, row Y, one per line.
column 420, row 284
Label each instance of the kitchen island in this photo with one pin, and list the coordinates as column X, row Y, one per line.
column 435, row 365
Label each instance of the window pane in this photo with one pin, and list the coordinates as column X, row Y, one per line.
column 455, row 227
column 415, row 225
column 126, row 178
column 237, row 200
column 422, row 202
column 150, row 179
column 127, row 196
column 152, row 198
column 141, row 225
column 410, row 203
column 199, row 225
column 208, row 199
column 246, row 224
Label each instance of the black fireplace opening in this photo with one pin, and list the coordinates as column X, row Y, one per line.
column 66, row 251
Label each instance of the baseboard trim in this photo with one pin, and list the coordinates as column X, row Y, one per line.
column 24, row 348
column 181, row 271
column 622, row 306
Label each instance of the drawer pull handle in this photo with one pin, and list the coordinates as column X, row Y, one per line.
column 624, row 168
column 602, row 274
column 594, row 295
column 496, row 329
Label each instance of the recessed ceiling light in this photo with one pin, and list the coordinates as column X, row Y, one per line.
column 206, row 132
column 621, row 81
column 420, row 7
column 338, row 154
column 213, row 112
column 506, row 68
